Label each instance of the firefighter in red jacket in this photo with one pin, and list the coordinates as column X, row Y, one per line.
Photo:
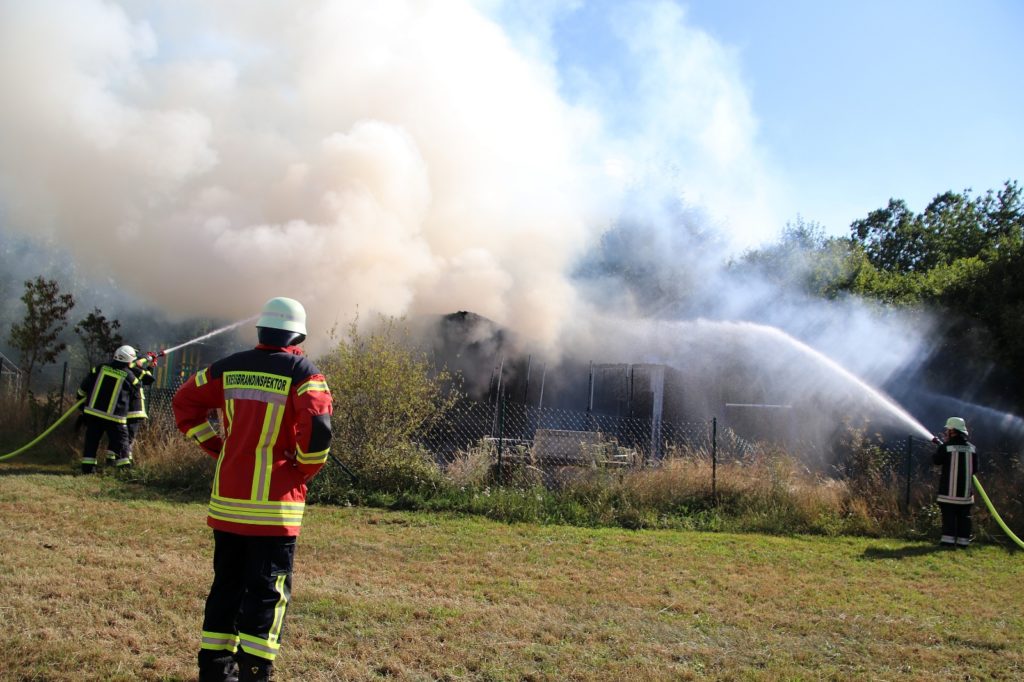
column 275, row 412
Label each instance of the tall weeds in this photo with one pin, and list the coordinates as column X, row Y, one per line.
column 26, row 418
column 164, row 459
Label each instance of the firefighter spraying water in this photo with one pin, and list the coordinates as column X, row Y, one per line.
column 131, row 360
column 109, row 391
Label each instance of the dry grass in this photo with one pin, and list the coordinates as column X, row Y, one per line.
column 105, row 580
column 23, row 420
column 471, row 468
column 165, row 459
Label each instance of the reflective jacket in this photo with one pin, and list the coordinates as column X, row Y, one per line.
column 959, row 463
column 109, row 389
column 275, row 410
column 137, row 407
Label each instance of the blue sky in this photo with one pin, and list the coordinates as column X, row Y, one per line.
column 860, row 101
column 852, row 102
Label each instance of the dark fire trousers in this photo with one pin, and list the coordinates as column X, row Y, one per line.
column 956, row 520
column 95, row 428
column 251, row 588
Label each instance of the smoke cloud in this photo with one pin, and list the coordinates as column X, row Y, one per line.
column 408, row 157
column 400, row 156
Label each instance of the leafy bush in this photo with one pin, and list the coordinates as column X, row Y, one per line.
column 385, row 391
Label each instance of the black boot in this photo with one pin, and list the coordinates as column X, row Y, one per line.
column 221, row 668
column 254, row 669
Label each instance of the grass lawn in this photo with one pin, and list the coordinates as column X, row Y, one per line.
column 103, row 580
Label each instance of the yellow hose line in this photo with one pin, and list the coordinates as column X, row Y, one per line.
column 44, row 434
column 995, row 514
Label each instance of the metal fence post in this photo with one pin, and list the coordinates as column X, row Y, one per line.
column 64, row 387
column 501, row 436
column 910, row 464
column 714, row 460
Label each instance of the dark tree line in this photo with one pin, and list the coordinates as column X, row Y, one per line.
column 37, row 337
column 961, row 258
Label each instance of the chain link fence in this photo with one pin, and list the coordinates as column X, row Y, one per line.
column 910, row 464
column 521, row 444
column 11, row 378
column 546, row 444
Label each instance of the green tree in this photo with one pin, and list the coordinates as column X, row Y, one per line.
column 954, row 226
column 385, row 392
column 806, row 260
column 963, row 257
column 99, row 336
column 894, row 239
column 36, row 337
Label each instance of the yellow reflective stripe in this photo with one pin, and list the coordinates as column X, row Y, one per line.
column 201, row 378
column 257, row 646
column 264, row 464
column 279, row 514
column 229, row 415
column 269, row 506
column 202, row 433
column 216, row 473
column 320, row 386
column 141, row 412
column 94, row 395
column 311, row 457
column 104, row 415
column 274, row 636
column 254, row 520
column 220, row 641
column 142, row 402
column 118, row 380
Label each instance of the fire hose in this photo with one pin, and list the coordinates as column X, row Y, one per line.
column 995, row 514
column 149, row 358
column 45, row 433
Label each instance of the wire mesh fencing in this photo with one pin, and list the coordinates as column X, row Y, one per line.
column 513, row 444
column 542, row 445
column 11, row 378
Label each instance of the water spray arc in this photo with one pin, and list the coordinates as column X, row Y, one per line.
column 215, row 332
column 146, row 358
column 875, row 395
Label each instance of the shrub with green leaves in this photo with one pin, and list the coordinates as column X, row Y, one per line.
column 385, row 391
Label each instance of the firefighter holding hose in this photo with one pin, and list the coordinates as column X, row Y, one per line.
column 143, row 369
column 275, row 411
column 109, row 390
column 959, row 461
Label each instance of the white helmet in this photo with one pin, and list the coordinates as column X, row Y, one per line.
column 125, row 354
column 957, row 424
column 282, row 313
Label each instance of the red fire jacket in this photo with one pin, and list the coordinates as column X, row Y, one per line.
column 275, row 409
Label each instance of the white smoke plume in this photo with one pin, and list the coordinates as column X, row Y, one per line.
column 402, row 156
